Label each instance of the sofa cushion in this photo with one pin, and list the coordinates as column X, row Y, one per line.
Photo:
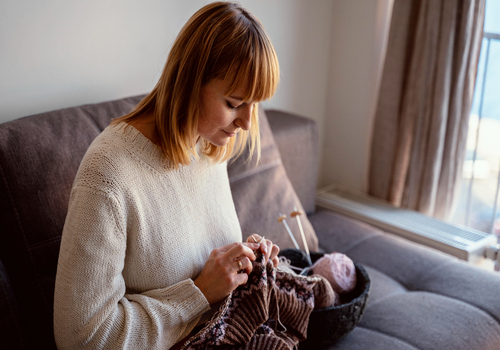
column 262, row 190
column 420, row 298
column 39, row 157
column 366, row 339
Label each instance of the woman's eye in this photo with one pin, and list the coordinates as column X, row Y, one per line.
column 230, row 105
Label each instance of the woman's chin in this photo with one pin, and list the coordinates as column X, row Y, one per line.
column 219, row 142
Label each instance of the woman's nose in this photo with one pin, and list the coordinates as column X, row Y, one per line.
column 245, row 118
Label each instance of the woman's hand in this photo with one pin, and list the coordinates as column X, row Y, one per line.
column 222, row 271
column 267, row 248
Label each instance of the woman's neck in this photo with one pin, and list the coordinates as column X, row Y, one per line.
column 146, row 126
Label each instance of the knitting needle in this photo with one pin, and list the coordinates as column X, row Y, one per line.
column 258, row 242
column 282, row 218
column 296, row 215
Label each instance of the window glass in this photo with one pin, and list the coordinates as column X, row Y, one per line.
column 492, row 16
column 478, row 205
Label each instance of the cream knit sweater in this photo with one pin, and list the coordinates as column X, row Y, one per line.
column 136, row 235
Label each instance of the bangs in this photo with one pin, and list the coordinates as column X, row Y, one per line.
column 253, row 69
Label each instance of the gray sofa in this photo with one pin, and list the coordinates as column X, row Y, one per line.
column 419, row 298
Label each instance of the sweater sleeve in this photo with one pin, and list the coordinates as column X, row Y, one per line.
column 92, row 309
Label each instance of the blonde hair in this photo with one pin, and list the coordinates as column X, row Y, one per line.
column 224, row 41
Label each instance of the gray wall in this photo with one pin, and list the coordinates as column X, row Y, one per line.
column 62, row 53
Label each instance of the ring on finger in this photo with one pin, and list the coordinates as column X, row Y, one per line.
column 240, row 265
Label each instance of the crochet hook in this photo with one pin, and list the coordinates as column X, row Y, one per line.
column 296, row 215
column 281, row 219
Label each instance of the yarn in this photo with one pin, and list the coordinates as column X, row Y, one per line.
column 339, row 270
column 324, row 295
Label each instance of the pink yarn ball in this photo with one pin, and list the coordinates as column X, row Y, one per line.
column 339, row 270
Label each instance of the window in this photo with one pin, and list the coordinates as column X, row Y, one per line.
column 478, row 205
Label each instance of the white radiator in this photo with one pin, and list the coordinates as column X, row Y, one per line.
column 463, row 242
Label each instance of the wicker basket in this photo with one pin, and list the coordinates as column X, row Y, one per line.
column 328, row 325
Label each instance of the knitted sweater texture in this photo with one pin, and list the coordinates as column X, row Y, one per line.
column 137, row 233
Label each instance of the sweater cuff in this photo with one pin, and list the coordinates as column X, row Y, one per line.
column 191, row 301
column 184, row 297
column 200, row 304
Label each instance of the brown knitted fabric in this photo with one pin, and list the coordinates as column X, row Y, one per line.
column 270, row 311
column 295, row 300
column 265, row 338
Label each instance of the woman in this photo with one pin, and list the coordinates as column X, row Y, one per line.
column 151, row 242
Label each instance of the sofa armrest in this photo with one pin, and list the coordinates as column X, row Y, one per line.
column 297, row 140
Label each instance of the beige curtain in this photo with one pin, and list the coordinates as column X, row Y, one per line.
column 420, row 128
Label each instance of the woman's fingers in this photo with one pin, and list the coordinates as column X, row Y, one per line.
column 252, row 246
column 228, row 247
column 274, row 255
column 240, row 278
column 245, row 265
column 274, row 251
column 267, row 248
column 241, row 250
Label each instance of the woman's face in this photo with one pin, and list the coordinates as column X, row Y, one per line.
column 222, row 117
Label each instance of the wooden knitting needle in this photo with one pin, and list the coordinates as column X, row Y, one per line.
column 282, row 218
column 258, row 242
column 296, row 214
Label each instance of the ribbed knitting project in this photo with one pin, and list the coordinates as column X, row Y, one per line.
column 270, row 311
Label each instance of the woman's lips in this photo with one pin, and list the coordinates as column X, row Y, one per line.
column 230, row 134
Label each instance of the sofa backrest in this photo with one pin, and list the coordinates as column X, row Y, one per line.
column 39, row 158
